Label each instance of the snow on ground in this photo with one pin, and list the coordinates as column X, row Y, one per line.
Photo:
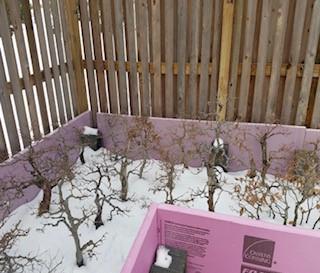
column 56, row 242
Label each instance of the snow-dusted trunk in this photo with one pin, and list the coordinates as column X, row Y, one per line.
column 265, row 159
column 79, row 254
column 212, row 186
column 296, row 211
column 142, row 167
column 46, row 199
column 98, row 219
column 124, row 179
column 81, row 156
column 253, row 169
column 286, row 215
column 212, row 182
column 170, row 185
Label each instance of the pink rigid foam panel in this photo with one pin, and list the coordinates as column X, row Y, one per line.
column 225, row 244
column 242, row 139
column 142, row 252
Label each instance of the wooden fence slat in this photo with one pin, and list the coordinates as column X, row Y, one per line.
column 303, row 50
column 296, row 41
column 247, row 59
column 88, row 57
column 218, row 10
column 142, row 32
column 227, row 24
column 261, row 61
column 236, row 44
column 45, row 61
column 54, row 61
column 62, row 65
column 14, row 13
column 132, row 57
column 96, row 31
column 108, row 45
column 156, row 54
column 71, row 36
column 169, row 45
column 181, row 54
column 205, row 56
column 315, row 121
column 309, row 64
column 3, row 148
column 194, row 55
column 8, row 111
column 13, row 72
column 276, row 62
column 119, row 34
column 35, row 64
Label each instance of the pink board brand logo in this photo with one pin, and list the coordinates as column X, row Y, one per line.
column 248, row 269
column 257, row 251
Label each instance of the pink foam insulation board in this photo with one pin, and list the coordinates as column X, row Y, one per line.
column 223, row 244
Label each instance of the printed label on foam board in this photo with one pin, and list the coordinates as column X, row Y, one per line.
column 258, row 251
column 250, row 269
column 193, row 239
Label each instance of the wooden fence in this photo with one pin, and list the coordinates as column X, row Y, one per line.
column 247, row 60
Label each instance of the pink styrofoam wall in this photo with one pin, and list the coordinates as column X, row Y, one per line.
column 18, row 168
column 224, row 240
column 142, row 254
column 241, row 137
column 312, row 137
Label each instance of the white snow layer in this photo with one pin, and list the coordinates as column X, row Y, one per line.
column 163, row 260
column 120, row 233
column 90, row 131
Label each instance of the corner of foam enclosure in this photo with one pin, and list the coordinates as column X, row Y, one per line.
column 141, row 255
column 218, row 243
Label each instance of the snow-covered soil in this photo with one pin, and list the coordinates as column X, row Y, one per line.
column 49, row 242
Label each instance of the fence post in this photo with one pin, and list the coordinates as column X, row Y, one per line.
column 71, row 8
column 225, row 58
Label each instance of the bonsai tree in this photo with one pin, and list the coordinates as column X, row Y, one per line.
column 98, row 182
column 144, row 138
column 69, row 192
column 12, row 259
column 304, row 175
column 122, row 149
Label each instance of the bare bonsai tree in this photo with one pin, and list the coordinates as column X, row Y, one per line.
column 304, row 174
column 165, row 181
column 63, row 214
column 121, row 137
column 144, row 138
column 214, row 159
column 103, row 193
column 255, row 193
column 179, row 149
column 12, row 260
column 267, row 157
column 45, row 168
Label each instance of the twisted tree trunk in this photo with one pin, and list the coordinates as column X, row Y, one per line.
column 46, row 199
column 124, row 180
